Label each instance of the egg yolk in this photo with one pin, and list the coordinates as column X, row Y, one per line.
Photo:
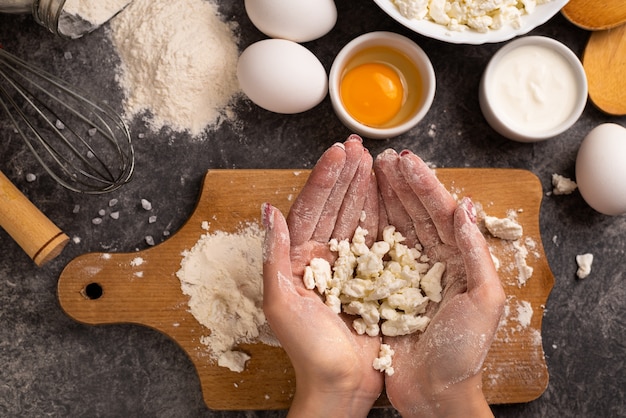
column 372, row 93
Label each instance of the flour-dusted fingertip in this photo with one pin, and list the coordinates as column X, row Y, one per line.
column 354, row 137
column 267, row 210
column 468, row 207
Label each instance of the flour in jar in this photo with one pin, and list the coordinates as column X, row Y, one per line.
column 79, row 17
column 178, row 63
column 223, row 276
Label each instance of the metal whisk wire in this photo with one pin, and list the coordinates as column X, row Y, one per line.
column 83, row 145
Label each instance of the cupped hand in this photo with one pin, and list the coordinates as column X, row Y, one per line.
column 438, row 372
column 333, row 365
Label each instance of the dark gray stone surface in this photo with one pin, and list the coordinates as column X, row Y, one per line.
column 51, row 365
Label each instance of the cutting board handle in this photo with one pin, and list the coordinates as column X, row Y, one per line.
column 38, row 236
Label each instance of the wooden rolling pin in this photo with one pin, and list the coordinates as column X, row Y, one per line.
column 38, row 236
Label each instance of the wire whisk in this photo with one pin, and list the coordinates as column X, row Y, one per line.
column 85, row 146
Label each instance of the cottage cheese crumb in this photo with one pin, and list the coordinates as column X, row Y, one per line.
column 386, row 286
column 584, row 262
column 137, row 261
column 562, row 185
column 460, row 15
column 383, row 361
column 504, row 228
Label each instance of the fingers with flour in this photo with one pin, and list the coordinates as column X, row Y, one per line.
column 483, row 283
column 307, row 209
column 353, row 207
column 433, row 196
column 341, row 209
column 371, row 211
column 396, row 195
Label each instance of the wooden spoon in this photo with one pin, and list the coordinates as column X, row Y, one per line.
column 604, row 61
column 595, row 15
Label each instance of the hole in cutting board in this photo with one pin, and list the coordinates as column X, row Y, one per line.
column 92, row 291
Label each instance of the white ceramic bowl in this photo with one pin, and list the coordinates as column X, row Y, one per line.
column 420, row 99
column 539, row 16
column 534, row 88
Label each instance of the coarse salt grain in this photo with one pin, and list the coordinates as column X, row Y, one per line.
column 146, row 205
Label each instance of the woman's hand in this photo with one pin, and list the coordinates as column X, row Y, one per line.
column 333, row 365
column 438, row 372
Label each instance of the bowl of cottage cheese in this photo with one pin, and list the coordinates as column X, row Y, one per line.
column 471, row 21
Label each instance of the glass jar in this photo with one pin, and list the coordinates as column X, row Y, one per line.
column 45, row 12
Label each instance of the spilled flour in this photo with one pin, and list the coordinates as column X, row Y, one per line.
column 178, row 63
column 223, row 277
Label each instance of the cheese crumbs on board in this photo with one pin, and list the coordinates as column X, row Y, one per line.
column 386, row 286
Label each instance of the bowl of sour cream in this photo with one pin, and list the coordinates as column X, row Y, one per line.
column 534, row 88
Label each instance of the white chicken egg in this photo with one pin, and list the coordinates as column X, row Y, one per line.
column 295, row 20
column 282, row 76
column 601, row 169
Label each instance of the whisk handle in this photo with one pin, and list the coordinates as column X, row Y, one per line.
column 38, row 236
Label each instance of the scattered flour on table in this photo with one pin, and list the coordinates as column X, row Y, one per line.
column 223, row 277
column 178, row 63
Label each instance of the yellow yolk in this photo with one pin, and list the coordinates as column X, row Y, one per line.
column 372, row 93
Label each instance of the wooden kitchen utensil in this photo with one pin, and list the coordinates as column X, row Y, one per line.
column 113, row 288
column 595, row 15
column 41, row 239
column 604, row 61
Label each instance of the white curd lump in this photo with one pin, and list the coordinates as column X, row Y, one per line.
column 533, row 89
column 584, row 262
column 478, row 15
column 562, row 185
column 386, row 286
column 504, row 228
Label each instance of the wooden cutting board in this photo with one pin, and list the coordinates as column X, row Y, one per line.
column 101, row 288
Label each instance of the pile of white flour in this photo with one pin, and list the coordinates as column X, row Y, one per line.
column 178, row 63
column 223, row 277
